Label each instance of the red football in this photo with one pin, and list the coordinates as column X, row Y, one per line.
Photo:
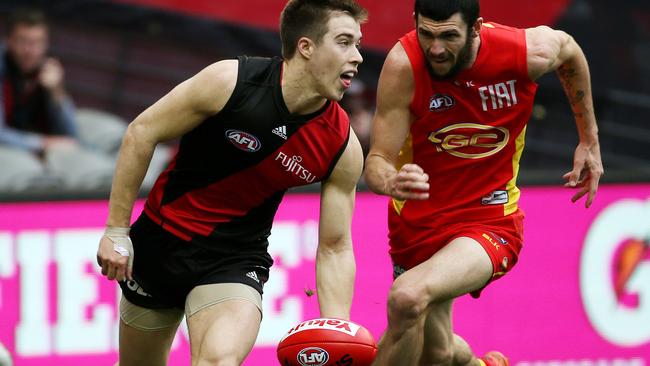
column 327, row 342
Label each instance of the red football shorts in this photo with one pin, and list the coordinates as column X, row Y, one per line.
column 502, row 239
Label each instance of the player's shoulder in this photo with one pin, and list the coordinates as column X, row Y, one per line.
column 217, row 76
column 544, row 35
column 398, row 70
column 397, row 60
column 224, row 69
column 335, row 117
column 243, row 68
column 349, row 166
column 259, row 70
column 504, row 35
column 544, row 48
column 540, row 29
column 397, row 80
column 258, row 63
column 210, row 88
column 354, row 150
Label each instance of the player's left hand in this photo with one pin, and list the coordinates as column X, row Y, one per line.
column 586, row 173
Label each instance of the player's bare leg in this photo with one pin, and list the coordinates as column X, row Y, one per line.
column 437, row 331
column 146, row 335
column 404, row 333
column 459, row 268
column 463, row 354
column 144, row 348
column 224, row 333
column 439, row 339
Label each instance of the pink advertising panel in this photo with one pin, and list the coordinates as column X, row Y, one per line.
column 579, row 296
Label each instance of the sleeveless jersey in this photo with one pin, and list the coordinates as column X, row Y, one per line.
column 468, row 134
column 231, row 172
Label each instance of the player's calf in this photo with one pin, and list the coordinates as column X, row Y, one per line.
column 463, row 355
column 441, row 355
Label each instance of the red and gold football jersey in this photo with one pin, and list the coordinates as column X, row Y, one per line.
column 468, row 135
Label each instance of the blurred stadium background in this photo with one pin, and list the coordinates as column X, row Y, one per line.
column 120, row 56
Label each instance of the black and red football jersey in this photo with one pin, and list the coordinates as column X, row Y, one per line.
column 231, row 172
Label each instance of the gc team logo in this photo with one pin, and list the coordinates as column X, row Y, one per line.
column 313, row 356
column 470, row 140
column 615, row 273
column 243, row 140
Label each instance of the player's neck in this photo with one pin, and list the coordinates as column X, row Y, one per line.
column 476, row 48
column 299, row 95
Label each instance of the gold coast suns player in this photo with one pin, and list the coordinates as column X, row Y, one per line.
column 455, row 95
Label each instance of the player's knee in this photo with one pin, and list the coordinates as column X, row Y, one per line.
column 405, row 304
column 438, row 355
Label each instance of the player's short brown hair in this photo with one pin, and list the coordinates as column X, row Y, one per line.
column 308, row 18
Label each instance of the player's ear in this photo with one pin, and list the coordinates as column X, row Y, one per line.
column 476, row 28
column 305, row 47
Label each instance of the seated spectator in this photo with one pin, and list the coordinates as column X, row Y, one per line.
column 40, row 146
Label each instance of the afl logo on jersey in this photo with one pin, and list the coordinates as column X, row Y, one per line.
column 441, row 102
column 243, row 140
column 470, row 140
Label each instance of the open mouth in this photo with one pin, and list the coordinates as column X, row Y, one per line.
column 347, row 77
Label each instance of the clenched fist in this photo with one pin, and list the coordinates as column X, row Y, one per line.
column 410, row 183
column 115, row 254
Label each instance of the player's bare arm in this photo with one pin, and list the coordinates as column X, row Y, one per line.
column 553, row 50
column 335, row 266
column 391, row 127
column 178, row 112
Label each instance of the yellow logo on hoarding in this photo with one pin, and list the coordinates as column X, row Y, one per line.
column 470, row 140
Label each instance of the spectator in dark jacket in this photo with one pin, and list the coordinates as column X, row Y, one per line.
column 36, row 112
column 39, row 138
column 42, row 146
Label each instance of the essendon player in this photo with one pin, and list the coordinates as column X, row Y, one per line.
column 251, row 128
column 455, row 94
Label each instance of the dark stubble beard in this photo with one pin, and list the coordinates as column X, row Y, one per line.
column 462, row 61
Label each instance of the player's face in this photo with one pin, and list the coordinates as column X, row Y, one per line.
column 27, row 45
column 336, row 56
column 446, row 45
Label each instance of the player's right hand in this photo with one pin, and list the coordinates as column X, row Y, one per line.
column 410, row 183
column 115, row 254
